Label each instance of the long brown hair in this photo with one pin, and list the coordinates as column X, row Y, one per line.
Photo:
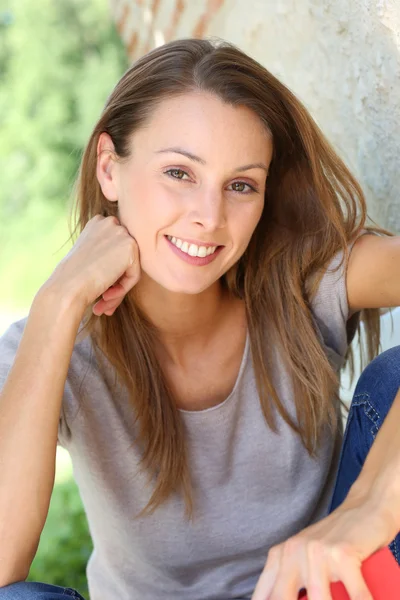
column 313, row 208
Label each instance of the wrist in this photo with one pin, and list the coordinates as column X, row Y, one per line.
column 55, row 301
column 380, row 499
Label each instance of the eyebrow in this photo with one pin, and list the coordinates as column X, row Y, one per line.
column 197, row 159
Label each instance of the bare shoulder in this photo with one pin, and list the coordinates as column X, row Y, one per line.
column 373, row 274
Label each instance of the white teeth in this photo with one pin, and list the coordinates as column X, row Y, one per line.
column 192, row 249
column 202, row 251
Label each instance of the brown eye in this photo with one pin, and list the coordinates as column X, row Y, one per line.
column 176, row 173
column 239, row 187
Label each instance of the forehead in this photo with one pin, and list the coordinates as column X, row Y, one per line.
column 202, row 120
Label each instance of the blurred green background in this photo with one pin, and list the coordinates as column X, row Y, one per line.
column 59, row 60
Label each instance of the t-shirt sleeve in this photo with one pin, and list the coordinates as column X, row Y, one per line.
column 9, row 343
column 330, row 309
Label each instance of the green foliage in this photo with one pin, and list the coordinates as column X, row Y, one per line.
column 31, row 247
column 59, row 60
column 65, row 543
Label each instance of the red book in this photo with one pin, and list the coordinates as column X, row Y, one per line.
column 381, row 574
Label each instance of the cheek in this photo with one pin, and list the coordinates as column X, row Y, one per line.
column 147, row 211
column 136, row 205
column 246, row 222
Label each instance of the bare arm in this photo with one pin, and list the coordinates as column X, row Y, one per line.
column 30, row 405
column 378, row 484
column 30, row 402
column 373, row 274
column 373, row 280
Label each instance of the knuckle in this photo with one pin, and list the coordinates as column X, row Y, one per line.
column 112, row 219
column 315, row 548
column 90, row 223
column 291, row 546
column 339, row 552
column 273, row 554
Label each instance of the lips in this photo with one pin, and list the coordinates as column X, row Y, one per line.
column 194, row 259
column 197, row 243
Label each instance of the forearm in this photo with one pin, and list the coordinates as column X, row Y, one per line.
column 30, row 405
column 379, row 481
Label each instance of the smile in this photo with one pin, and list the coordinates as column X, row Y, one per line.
column 192, row 249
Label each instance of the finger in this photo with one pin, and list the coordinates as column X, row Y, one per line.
column 292, row 571
column 111, row 307
column 113, row 292
column 103, row 307
column 110, row 311
column 96, row 308
column 124, row 284
column 129, row 279
column 268, row 577
column 353, row 581
column 118, row 291
column 288, row 589
column 318, row 585
column 287, row 584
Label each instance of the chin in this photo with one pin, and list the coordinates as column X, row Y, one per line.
column 178, row 283
column 185, row 287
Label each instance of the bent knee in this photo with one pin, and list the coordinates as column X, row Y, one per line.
column 32, row 590
column 380, row 379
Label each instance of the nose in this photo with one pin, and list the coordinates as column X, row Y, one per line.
column 209, row 210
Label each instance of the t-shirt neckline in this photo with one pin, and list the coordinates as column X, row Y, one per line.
column 222, row 404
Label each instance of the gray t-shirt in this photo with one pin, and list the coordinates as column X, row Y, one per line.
column 253, row 488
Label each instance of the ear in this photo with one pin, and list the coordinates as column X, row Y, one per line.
column 106, row 170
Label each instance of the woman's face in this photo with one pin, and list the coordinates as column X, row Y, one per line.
column 195, row 179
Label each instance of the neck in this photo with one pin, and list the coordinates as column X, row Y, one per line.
column 183, row 321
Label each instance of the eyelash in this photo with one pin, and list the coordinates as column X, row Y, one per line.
column 252, row 188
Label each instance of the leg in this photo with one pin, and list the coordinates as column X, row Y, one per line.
column 29, row 590
column 372, row 400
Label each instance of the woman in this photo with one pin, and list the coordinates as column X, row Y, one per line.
column 214, row 297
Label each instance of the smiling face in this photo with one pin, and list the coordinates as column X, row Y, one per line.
column 195, row 181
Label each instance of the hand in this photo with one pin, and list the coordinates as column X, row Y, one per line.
column 104, row 262
column 328, row 551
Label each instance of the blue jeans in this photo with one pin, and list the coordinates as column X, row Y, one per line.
column 373, row 397
column 32, row 590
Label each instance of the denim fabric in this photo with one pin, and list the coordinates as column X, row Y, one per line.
column 29, row 590
column 373, row 397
